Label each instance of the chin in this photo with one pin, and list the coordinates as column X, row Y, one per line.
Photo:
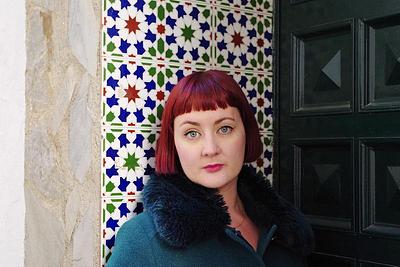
column 215, row 182
column 210, row 184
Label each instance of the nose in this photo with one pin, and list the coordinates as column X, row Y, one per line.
column 211, row 147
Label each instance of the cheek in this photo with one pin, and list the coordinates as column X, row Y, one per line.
column 239, row 146
column 182, row 154
column 240, row 152
column 185, row 154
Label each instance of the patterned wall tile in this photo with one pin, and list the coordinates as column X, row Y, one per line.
column 174, row 72
column 188, row 32
column 115, row 212
column 243, row 40
column 264, row 101
column 128, row 160
column 263, row 165
column 170, row 76
column 257, row 5
column 134, row 28
column 258, row 89
column 132, row 91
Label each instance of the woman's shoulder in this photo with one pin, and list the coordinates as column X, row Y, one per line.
column 138, row 227
column 134, row 240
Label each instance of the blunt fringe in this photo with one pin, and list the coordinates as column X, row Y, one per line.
column 203, row 91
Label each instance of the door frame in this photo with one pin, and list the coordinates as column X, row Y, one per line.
column 276, row 93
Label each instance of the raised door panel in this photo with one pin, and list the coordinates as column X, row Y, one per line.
column 324, row 175
column 325, row 260
column 323, row 69
column 380, row 163
column 382, row 64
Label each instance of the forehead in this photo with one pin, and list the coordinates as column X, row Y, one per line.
column 209, row 116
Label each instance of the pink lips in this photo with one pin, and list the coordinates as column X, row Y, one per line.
column 213, row 167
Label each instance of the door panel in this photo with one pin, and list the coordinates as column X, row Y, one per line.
column 338, row 125
column 372, row 264
column 324, row 175
column 382, row 38
column 323, row 59
column 330, row 261
column 380, row 163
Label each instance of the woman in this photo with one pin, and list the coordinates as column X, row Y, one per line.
column 203, row 207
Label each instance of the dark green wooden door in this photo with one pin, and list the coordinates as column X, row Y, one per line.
column 337, row 154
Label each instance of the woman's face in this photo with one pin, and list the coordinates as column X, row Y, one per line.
column 211, row 146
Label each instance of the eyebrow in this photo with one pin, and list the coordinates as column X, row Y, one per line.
column 198, row 124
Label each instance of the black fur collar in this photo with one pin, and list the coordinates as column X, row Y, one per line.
column 185, row 212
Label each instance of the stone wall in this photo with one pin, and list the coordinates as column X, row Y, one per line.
column 62, row 151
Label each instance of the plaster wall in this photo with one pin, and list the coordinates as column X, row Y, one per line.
column 12, row 110
column 62, row 134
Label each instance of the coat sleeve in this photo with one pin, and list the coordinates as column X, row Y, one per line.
column 132, row 247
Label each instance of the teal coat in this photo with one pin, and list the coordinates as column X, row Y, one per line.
column 186, row 224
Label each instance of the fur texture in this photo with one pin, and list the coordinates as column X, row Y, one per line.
column 186, row 213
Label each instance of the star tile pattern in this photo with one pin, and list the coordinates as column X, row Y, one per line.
column 134, row 93
column 148, row 46
column 253, row 5
column 188, row 33
column 128, row 160
column 263, row 165
column 133, row 28
column 243, row 40
column 258, row 90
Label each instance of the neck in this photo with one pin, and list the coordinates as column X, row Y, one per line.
column 233, row 202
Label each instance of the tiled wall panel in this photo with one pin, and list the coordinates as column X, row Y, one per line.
column 243, row 39
column 147, row 47
column 128, row 160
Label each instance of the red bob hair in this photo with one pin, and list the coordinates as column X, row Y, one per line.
column 202, row 91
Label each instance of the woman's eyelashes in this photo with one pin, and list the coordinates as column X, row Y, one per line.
column 225, row 129
column 193, row 134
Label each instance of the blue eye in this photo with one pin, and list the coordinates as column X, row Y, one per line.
column 225, row 129
column 191, row 134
